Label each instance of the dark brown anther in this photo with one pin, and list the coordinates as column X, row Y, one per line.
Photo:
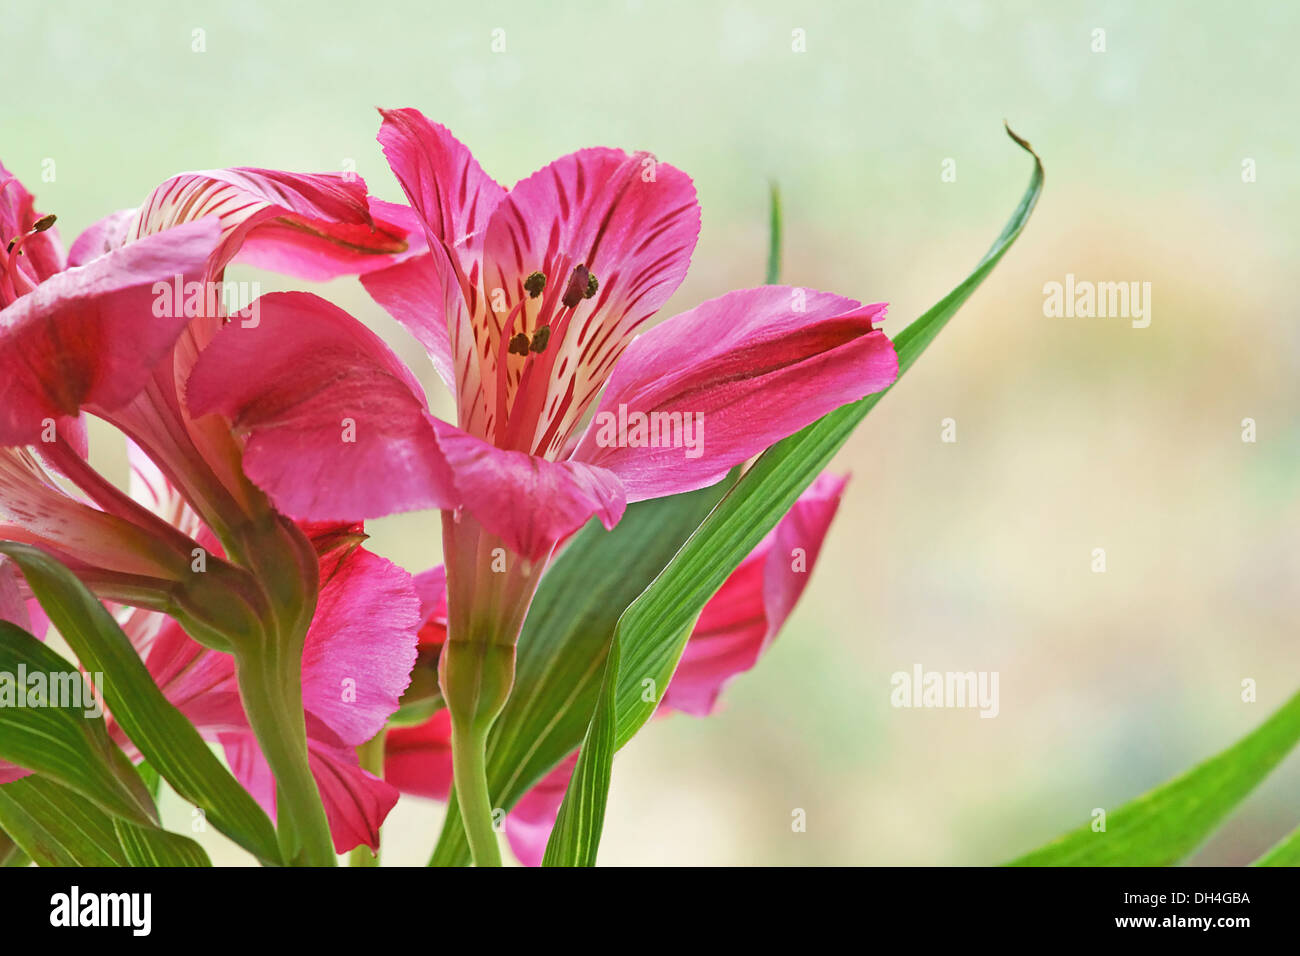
column 534, row 284
column 518, row 344
column 576, row 290
column 540, row 338
column 40, row 225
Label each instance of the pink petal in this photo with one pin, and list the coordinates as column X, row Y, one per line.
column 10, row 772
column 411, row 292
column 199, row 682
column 301, row 383
column 431, row 586
column 314, row 226
column 445, row 185
column 13, row 606
column 356, row 802
column 361, row 646
column 405, row 220
column 454, row 198
column 740, row 622
column 250, row 768
column 18, row 610
column 745, row 370
column 418, row 759
column 35, row 508
column 633, row 223
column 89, row 335
column 528, row 502
column 153, row 490
column 102, row 237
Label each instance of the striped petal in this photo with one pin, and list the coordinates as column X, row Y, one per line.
column 627, row 220
column 714, row 386
column 453, row 197
column 314, row 226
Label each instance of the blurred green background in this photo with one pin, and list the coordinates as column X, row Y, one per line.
column 1072, row 433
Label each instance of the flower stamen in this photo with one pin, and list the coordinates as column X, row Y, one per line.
column 577, row 288
column 16, row 281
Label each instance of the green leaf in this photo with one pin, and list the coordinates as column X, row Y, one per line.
column 653, row 631
column 1286, row 853
column 151, row 846
column 56, row 826
column 152, row 782
column 564, row 643
column 53, row 735
column 576, row 835
column 1164, row 826
column 774, row 238
column 11, row 854
column 166, row 738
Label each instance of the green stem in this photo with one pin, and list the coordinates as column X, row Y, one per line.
column 271, row 688
column 469, row 771
column 371, row 756
column 486, row 604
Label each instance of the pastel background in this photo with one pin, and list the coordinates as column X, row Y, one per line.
column 1072, row 433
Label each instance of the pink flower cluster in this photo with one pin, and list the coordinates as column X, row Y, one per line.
column 259, row 448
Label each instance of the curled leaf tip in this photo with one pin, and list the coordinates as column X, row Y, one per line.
column 1021, row 141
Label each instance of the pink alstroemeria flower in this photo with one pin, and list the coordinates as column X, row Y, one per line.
column 738, row 624
column 534, row 304
column 530, row 303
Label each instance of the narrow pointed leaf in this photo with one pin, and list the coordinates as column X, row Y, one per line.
column 1286, row 853
column 576, row 835
column 1166, row 825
